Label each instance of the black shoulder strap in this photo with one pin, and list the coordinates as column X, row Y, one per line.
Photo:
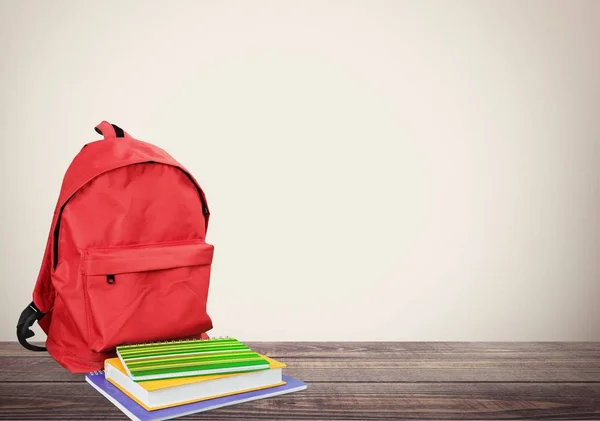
column 30, row 315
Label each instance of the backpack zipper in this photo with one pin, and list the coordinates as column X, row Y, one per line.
column 55, row 234
column 110, row 279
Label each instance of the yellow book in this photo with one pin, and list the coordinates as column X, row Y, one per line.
column 164, row 393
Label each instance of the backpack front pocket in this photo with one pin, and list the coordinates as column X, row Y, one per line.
column 146, row 293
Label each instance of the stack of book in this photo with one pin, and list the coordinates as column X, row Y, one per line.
column 165, row 380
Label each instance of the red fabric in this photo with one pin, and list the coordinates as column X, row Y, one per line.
column 132, row 264
column 106, row 129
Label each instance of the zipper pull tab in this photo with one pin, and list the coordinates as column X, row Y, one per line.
column 110, row 279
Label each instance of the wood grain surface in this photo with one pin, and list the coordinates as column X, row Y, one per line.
column 356, row 381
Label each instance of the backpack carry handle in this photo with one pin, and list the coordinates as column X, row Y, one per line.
column 29, row 316
column 109, row 130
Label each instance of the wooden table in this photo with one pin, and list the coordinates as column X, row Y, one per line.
column 356, row 381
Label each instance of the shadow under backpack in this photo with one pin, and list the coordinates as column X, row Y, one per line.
column 126, row 259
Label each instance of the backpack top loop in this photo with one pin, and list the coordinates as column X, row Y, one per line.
column 109, row 130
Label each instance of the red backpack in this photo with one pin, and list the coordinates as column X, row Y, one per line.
column 126, row 259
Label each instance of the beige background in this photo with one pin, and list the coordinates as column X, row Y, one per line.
column 376, row 170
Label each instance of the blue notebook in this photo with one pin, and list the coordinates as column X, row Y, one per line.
column 135, row 412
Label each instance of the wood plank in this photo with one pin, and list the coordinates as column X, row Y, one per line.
column 377, row 350
column 430, row 350
column 335, row 401
column 35, row 369
column 399, row 369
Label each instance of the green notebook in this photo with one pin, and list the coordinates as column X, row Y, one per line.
column 164, row 360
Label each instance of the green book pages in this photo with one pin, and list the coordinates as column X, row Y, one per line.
column 163, row 360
